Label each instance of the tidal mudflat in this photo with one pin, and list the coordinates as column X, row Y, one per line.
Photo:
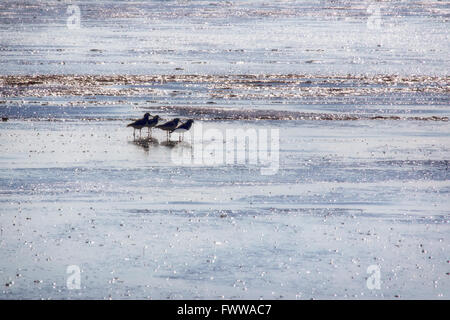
column 355, row 205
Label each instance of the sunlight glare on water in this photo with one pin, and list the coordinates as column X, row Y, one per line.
column 356, row 91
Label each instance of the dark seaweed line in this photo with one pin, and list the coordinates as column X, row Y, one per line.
column 72, row 79
column 233, row 114
column 222, row 114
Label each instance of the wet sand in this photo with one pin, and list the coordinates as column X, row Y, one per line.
column 361, row 181
column 347, row 195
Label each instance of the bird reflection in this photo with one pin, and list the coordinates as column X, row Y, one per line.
column 170, row 144
column 146, row 143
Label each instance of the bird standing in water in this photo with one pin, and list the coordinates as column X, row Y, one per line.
column 183, row 128
column 169, row 126
column 139, row 124
column 152, row 123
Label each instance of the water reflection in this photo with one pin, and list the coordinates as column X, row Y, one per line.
column 170, row 144
column 147, row 143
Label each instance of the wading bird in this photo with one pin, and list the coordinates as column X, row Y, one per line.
column 139, row 124
column 169, row 126
column 183, row 128
column 152, row 123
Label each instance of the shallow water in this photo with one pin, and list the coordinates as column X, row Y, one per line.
column 141, row 226
column 362, row 175
column 217, row 37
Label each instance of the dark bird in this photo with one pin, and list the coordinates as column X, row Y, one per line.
column 183, row 128
column 139, row 124
column 152, row 123
column 169, row 126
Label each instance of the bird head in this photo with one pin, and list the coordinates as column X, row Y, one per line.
column 146, row 115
